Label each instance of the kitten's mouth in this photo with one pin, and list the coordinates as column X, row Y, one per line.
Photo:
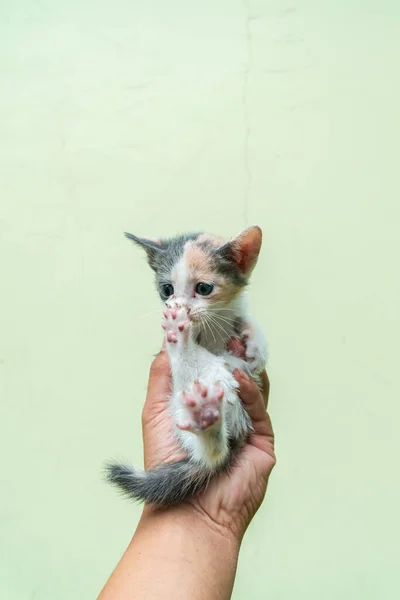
column 198, row 317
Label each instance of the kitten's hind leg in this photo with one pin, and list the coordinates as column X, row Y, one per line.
column 201, row 407
column 200, row 420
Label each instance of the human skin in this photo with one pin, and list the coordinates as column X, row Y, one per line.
column 191, row 550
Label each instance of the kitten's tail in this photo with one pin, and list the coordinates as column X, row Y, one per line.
column 167, row 484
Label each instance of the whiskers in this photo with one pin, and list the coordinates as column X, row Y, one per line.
column 152, row 312
column 206, row 326
column 218, row 325
column 157, row 308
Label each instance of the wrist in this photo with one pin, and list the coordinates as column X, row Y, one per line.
column 191, row 521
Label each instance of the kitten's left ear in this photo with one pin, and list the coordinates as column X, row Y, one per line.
column 243, row 250
column 151, row 246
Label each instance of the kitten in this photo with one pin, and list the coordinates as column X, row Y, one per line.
column 201, row 279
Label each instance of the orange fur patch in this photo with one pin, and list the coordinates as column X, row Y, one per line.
column 200, row 268
column 198, row 263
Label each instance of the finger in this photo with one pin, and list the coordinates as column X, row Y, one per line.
column 253, row 401
column 237, row 347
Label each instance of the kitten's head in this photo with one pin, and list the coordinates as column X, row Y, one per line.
column 202, row 271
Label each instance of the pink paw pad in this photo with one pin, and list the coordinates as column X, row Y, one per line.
column 176, row 322
column 203, row 407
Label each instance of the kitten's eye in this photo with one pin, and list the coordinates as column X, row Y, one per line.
column 204, row 289
column 167, row 289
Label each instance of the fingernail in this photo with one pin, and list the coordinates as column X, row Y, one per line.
column 243, row 375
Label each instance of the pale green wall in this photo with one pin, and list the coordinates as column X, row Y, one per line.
column 162, row 116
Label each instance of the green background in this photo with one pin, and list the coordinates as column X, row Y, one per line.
column 164, row 116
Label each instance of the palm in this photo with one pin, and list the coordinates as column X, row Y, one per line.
column 232, row 499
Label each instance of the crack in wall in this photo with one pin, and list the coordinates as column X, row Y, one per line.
column 246, row 115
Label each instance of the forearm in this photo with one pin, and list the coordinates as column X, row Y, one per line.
column 175, row 554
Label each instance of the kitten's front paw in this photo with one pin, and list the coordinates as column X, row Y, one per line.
column 176, row 323
column 255, row 354
column 201, row 407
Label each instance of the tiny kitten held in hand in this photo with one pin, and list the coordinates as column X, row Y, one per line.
column 201, row 279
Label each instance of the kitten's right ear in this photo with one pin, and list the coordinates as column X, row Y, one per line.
column 152, row 248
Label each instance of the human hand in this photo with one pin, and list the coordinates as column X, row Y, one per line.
column 231, row 500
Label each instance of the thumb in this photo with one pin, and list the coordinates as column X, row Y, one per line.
column 159, row 386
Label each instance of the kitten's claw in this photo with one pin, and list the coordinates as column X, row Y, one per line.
column 201, row 407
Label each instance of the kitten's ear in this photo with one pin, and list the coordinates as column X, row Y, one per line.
column 152, row 248
column 243, row 250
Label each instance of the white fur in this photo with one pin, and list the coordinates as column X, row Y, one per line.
column 212, row 364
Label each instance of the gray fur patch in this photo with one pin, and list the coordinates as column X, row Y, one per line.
column 172, row 252
column 225, row 264
column 163, row 255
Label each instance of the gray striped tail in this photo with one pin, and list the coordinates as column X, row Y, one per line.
column 167, row 484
